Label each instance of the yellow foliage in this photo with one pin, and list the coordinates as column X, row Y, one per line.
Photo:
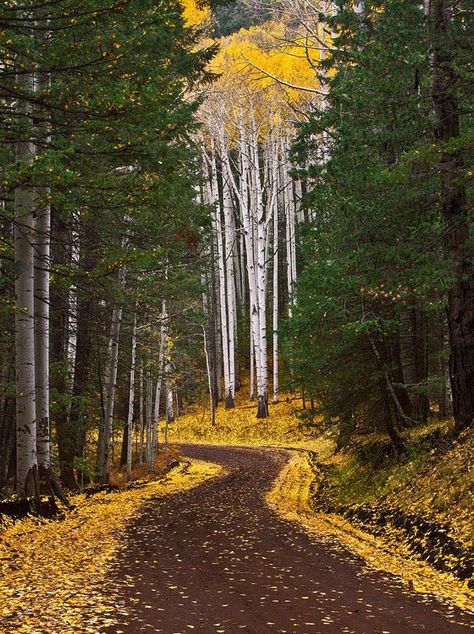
column 54, row 572
column 195, row 14
column 247, row 64
column 263, row 47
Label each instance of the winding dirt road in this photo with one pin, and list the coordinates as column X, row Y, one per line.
column 217, row 560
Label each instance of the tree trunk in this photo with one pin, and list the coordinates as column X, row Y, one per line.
column 26, row 456
column 209, row 379
column 105, row 447
column 222, row 284
column 42, row 264
column 149, row 416
column 141, row 416
column 86, row 314
column 131, row 400
column 275, row 281
column 230, row 280
column 460, row 310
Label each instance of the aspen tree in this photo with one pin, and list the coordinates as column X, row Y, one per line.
column 24, row 204
column 105, row 443
column 131, row 398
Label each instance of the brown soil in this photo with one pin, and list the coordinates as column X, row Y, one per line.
column 216, row 559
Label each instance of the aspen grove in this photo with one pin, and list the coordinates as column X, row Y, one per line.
column 200, row 200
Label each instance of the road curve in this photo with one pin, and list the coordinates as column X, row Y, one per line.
column 217, row 560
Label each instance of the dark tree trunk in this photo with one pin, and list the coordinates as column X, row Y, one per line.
column 7, row 441
column 262, row 407
column 78, row 415
column 388, row 420
column 229, row 401
column 460, row 309
column 413, row 361
column 123, row 451
column 443, row 395
column 59, row 326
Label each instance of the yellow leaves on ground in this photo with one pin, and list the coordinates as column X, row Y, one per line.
column 53, row 572
column 439, row 485
column 290, row 497
column 240, row 425
column 433, row 488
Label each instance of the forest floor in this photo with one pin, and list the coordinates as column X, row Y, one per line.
column 413, row 517
column 218, row 559
column 290, row 538
column 54, row 572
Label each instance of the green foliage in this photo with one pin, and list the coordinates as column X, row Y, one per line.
column 235, row 15
column 113, row 114
column 375, row 249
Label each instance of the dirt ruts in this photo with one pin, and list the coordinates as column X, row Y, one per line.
column 217, row 559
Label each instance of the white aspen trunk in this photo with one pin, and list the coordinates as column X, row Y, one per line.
column 26, row 457
column 112, row 366
column 261, row 349
column 217, row 326
column 169, row 397
column 131, row 399
column 219, row 362
column 149, row 415
column 42, row 261
column 72, row 308
column 290, row 230
column 221, row 273
column 156, row 416
column 275, row 279
column 212, row 409
column 141, row 441
column 230, row 279
column 247, row 227
column 159, row 382
column 252, row 367
column 169, row 405
column 41, row 281
column 292, row 238
column 242, row 270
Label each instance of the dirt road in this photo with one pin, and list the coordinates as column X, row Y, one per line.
column 216, row 559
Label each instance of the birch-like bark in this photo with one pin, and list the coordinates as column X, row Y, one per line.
column 222, row 276
column 290, row 230
column 26, row 457
column 212, row 408
column 230, row 275
column 261, row 340
column 141, row 431
column 275, row 279
column 111, row 374
column 131, row 398
column 149, row 417
column 72, row 301
column 41, row 279
column 159, row 382
column 243, row 193
column 252, row 367
column 42, row 262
